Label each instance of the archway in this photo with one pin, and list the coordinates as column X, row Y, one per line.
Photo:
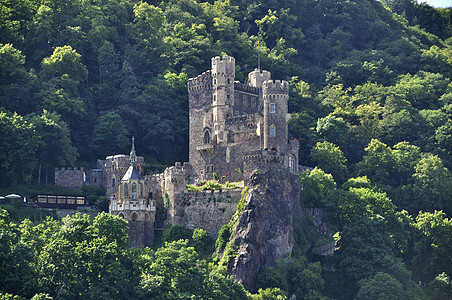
column 134, row 216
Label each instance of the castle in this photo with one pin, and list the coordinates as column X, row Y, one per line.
column 232, row 124
column 235, row 129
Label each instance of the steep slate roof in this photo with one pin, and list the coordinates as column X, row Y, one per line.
column 131, row 174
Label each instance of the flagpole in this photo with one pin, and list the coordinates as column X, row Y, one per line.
column 258, row 51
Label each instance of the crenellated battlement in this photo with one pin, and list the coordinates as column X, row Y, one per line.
column 271, row 85
column 223, row 66
column 245, row 88
column 261, row 73
column 257, row 77
column 70, row 177
column 223, row 59
column 264, row 157
column 203, row 81
column 70, row 169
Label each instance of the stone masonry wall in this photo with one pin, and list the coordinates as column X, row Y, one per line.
column 141, row 233
column 210, row 209
column 72, row 178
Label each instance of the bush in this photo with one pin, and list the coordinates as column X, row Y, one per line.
column 175, row 233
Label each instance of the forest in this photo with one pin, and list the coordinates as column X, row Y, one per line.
column 371, row 104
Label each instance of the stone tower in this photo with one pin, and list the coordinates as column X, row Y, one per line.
column 134, row 205
column 276, row 117
column 175, row 187
column 257, row 77
column 223, row 73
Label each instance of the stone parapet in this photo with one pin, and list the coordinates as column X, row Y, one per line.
column 203, row 81
column 130, row 206
column 275, row 86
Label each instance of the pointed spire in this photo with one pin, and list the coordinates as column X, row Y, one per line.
column 133, row 155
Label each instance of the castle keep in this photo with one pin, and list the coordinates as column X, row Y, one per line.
column 230, row 120
column 235, row 129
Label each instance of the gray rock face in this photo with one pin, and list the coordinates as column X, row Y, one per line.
column 263, row 232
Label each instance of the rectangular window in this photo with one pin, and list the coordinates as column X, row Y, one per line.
column 80, row 200
column 272, row 107
column 70, row 200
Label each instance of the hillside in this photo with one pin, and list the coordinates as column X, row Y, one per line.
column 371, row 104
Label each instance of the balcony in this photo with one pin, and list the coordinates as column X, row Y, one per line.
column 204, row 147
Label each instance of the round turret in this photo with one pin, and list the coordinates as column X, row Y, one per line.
column 257, row 77
column 275, row 95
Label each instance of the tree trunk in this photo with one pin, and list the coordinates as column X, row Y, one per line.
column 39, row 174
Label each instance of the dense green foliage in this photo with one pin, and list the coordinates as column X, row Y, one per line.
column 79, row 259
column 371, row 104
column 78, row 78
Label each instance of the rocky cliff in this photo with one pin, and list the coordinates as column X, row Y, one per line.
column 262, row 231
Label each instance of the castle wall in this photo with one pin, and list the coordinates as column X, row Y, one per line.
column 72, row 178
column 246, row 100
column 209, row 209
column 94, row 177
column 141, row 233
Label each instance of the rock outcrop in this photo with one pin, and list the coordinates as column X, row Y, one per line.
column 262, row 233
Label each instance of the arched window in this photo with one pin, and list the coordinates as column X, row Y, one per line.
column 291, row 163
column 272, row 130
column 134, row 191
column 141, row 190
column 207, row 137
column 113, row 181
column 126, row 190
column 121, row 215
